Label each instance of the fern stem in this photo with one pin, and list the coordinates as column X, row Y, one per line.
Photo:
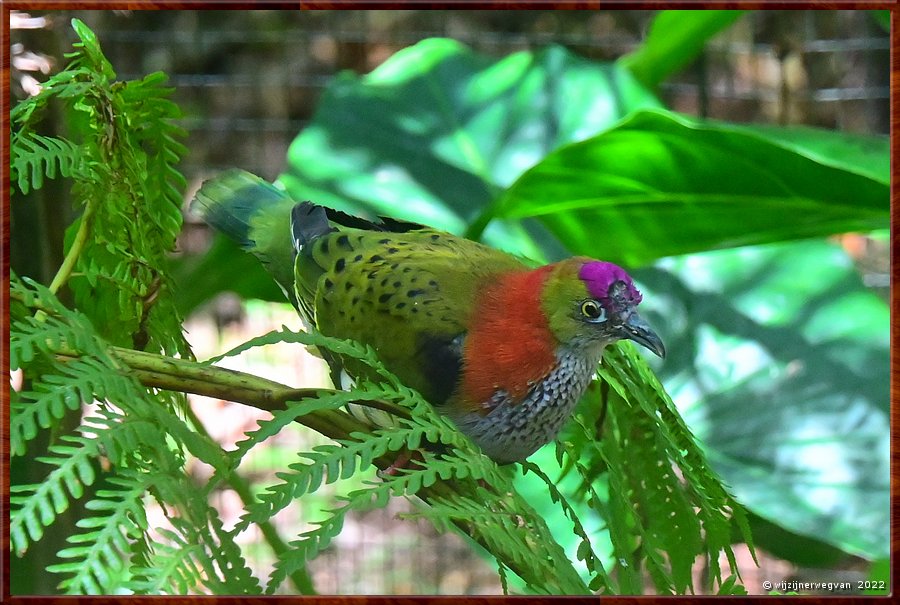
column 81, row 237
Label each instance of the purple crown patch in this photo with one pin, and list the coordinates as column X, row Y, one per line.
column 599, row 276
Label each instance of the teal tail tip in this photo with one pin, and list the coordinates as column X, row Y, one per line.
column 228, row 202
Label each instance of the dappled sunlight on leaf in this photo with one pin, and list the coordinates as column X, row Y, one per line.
column 782, row 370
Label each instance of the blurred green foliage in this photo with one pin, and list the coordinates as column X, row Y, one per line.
column 675, row 39
column 438, row 132
column 779, row 364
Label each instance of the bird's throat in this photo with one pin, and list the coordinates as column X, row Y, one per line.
column 514, row 429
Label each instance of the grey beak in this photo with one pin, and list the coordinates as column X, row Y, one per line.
column 639, row 331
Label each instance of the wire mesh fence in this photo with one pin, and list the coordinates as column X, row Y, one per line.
column 249, row 81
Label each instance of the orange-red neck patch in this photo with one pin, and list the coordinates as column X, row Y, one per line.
column 509, row 345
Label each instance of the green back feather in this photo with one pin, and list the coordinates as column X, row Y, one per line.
column 409, row 295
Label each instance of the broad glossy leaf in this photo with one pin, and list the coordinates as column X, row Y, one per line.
column 675, row 38
column 660, row 184
column 433, row 135
column 869, row 156
column 224, row 267
column 778, row 360
column 438, row 131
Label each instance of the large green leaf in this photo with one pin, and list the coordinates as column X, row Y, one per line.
column 675, row 38
column 438, row 131
column 865, row 155
column 779, row 361
column 224, row 267
column 803, row 551
column 661, row 184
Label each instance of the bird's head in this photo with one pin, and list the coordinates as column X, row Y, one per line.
column 593, row 303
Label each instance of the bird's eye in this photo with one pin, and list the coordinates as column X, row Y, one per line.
column 593, row 310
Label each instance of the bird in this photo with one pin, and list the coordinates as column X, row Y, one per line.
column 504, row 349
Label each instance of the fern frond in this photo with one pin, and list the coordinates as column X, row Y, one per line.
column 200, row 446
column 515, row 529
column 34, row 156
column 717, row 505
column 197, row 552
column 374, row 495
column 72, row 82
column 345, row 348
column 172, row 568
column 238, row 576
column 501, row 572
column 31, row 335
column 77, row 382
column 110, row 435
column 306, row 549
column 328, row 464
column 622, row 521
column 665, row 505
column 35, row 506
column 121, row 161
column 99, row 556
column 293, row 411
column 122, row 164
column 585, row 551
column 224, row 569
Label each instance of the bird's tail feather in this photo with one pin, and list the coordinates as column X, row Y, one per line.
column 229, row 202
column 256, row 215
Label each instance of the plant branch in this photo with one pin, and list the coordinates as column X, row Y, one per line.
column 65, row 270
column 171, row 374
column 175, row 374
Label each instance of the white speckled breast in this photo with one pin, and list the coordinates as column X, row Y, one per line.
column 513, row 431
